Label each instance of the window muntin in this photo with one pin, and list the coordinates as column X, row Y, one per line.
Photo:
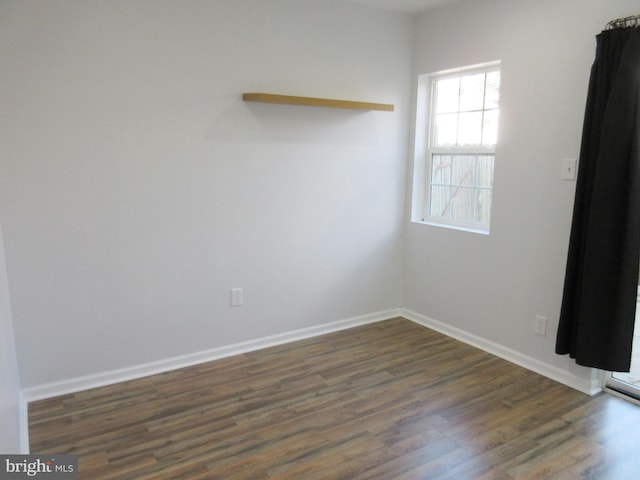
column 463, row 130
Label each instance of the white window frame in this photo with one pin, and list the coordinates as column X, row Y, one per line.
column 424, row 149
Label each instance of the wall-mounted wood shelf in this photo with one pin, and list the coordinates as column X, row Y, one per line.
column 315, row 102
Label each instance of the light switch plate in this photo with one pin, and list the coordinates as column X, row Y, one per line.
column 569, row 166
column 236, row 297
column 540, row 325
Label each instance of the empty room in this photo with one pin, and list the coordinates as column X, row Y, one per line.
column 319, row 239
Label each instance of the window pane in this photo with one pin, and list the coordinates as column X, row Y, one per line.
column 463, row 170
column 483, row 208
column 472, row 92
column 462, row 204
column 490, row 127
column 439, row 201
column 446, row 129
column 492, row 94
column 484, row 171
column 447, row 94
column 470, row 128
column 441, row 169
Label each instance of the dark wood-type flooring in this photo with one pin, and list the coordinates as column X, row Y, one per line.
column 390, row 400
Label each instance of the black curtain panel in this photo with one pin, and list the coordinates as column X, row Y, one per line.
column 599, row 301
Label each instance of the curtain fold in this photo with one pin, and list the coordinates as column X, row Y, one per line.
column 599, row 299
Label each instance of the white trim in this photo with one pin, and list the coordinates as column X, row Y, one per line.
column 110, row 377
column 454, row 227
column 589, row 387
column 23, row 422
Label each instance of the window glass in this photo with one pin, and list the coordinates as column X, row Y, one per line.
column 472, row 92
column 448, row 95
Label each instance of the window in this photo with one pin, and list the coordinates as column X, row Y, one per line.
column 457, row 157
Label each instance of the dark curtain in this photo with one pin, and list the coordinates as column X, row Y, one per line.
column 599, row 300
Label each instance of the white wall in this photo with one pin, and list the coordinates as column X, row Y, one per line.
column 493, row 286
column 10, row 441
column 138, row 188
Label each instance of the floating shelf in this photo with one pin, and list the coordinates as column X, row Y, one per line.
column 315, row 102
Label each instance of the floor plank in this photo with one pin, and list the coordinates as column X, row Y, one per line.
column 390, row 400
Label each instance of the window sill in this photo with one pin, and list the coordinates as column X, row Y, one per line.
column 480, row 231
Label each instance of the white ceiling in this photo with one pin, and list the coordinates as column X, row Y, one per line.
column 402, row 6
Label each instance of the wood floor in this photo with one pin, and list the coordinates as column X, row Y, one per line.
column 391, row 400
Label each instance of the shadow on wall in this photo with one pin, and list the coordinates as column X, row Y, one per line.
column 243, row 122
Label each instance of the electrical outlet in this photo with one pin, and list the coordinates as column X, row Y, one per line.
column 236, row 297
column 540, row 325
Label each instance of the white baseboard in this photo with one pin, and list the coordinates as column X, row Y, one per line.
column 87, row 382
column 24, row 425
column 72, row 385
column 559, row 375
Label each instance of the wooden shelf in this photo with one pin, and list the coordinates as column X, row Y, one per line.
column 315, row 102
